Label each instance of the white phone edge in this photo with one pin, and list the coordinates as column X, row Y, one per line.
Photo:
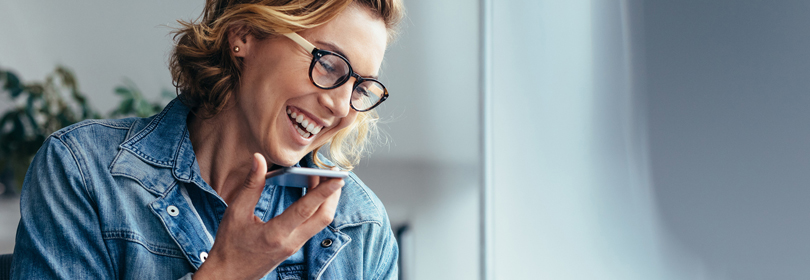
column 306, row 171
column 298, row 176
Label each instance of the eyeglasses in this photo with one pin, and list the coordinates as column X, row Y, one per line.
column 330, row 70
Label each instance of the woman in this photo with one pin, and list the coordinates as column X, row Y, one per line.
column 182, row 194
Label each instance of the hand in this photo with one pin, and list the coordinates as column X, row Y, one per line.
column 248, row 248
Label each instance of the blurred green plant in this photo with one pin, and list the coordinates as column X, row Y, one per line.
column 45, row 107
column 134, row 104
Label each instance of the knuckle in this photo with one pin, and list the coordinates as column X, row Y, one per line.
column 249, row 182
column 289, row 250
column 325, row 193
column 325, row 219
column 302, row 213
column 274, row 242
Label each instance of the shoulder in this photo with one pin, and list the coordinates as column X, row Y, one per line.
column 359, row 205
column 370, row 231
column 96, row 129
column 78, row 150
column 97, row 136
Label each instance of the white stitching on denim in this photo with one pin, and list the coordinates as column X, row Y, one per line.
column 137, row 238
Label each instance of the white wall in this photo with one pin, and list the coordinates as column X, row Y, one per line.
column 572, row 193
column 428, row 177
column 103, row 42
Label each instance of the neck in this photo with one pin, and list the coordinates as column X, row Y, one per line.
column 222, row 154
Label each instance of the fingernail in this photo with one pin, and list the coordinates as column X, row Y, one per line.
column 255, row 164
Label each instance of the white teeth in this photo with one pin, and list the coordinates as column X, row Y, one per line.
column 310, row 127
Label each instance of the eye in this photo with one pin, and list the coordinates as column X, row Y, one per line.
column 327, row 66
column 361, row 92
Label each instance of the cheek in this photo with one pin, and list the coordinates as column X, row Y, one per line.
column 345, row 123
column 348, row 120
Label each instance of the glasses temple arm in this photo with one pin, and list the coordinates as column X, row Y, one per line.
column 301, row 41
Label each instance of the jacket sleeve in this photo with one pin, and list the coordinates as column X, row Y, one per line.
column 386, row 262
column 387, row 267
column 59, row 235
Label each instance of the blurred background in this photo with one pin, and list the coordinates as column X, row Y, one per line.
column 629, row 139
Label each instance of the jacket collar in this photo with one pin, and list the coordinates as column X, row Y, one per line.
column 163, row 145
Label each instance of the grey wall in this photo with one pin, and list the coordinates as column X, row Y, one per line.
column 667, row 139
column 728, row 87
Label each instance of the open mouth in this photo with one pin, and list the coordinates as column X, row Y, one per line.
column 306, row 127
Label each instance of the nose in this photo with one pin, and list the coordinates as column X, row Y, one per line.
column 336, row 100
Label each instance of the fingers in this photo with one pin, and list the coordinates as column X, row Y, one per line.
column 321, row 218
column 313, row 181
column 308, row 208
column 251, row 190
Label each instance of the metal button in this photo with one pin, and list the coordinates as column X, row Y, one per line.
column 203, row 256
column 173, row 211
column 326, row 243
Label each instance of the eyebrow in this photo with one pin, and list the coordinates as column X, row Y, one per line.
column 339, row 51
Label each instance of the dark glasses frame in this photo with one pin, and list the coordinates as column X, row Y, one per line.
column 317, row 54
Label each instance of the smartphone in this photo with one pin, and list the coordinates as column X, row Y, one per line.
column 299, row 176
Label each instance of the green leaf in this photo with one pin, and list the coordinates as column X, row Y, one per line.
column 123, row 91
column 18, row 130
column 68, row 79
column 168, row 94
column 78, row 96
column 64, row 120
column 5, row 119
column 13, row 84
column 124, row 108
column 35, row 89
column 144, row 109
column 34, row 125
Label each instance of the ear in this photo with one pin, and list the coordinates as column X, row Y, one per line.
column 239, row 40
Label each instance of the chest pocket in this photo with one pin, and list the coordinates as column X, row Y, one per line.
column 292, row 272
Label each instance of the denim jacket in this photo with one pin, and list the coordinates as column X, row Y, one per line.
column 105, row 199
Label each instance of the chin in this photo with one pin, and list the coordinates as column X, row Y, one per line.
column 285, row 159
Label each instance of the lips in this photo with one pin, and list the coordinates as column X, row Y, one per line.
column 305, row 126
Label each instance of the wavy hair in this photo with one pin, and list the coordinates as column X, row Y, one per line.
column 206, row 73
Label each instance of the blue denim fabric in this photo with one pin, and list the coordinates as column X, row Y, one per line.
column 105, row 199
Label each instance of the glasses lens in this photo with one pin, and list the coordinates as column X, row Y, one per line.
column 329, row 70
column 367, row 94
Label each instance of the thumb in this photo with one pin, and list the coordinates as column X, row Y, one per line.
column 252, row 189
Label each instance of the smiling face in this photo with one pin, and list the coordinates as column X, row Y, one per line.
column 283, row 114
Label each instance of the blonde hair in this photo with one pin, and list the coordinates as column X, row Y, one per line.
column 206, row 73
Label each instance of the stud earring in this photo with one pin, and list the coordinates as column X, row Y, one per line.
column 236, row 49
